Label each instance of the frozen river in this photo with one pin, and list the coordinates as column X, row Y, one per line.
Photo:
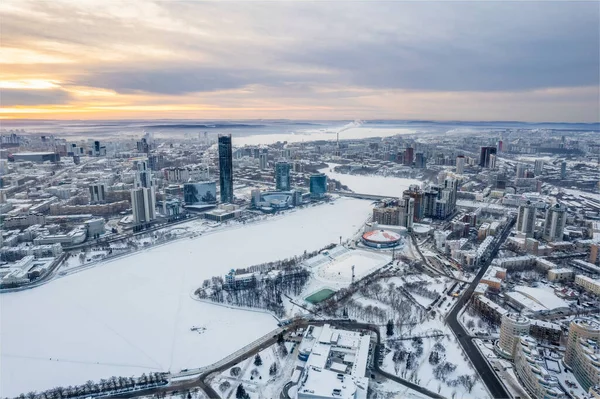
column 133, row 315
column 376, row 185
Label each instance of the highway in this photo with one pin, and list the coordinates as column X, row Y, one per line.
column 490, row 380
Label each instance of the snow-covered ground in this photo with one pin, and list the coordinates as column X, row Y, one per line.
column 376, row 185
column 448, row 350
column 340, row 268
column 135, row 314
column 257, row 381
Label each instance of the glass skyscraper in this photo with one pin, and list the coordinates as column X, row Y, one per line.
column 282, row 176
column 318, row 185
column 225, row 169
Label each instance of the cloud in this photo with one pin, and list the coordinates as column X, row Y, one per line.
column 305, row 52
column 28, row 97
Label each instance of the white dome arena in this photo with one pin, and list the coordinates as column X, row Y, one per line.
column 381, row 239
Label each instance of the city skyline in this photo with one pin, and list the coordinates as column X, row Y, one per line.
column 298, row 60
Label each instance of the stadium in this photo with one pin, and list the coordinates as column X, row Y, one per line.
column 381, row 239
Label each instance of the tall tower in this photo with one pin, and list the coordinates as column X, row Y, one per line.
column 484, row 157
column 460, row 164
column 226, row 168
column 282, row 176
column 143, row 195
column 526, row 219
column 556, row 218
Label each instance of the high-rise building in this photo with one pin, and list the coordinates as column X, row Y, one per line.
column 420, row 160
column 143, row 146
column 500, row 145
column 554, row 227
column 563, row 170
column 143, row 204
column 143, row 175
column 143, row 196
column 408, row 156
column 226, row 168
column 526, row 219
column 255, row 194
column 583, row 350
column 156, row 162
column 446, row 199
column 539, row 167
column 282, row 176
column 460, row 164
column 521, row 168
column 484, row 157
column 318, row 185
column 97, row 193
column 401, row 214
column 99, row 150
column 263, row 160
column 493, row 159
column 513, row 327
column 416, row 194
column 530, row 366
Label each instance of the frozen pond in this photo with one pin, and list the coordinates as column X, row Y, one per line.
column 134, row 315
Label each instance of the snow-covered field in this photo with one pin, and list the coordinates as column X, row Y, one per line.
column 376, row 185
column 135, row 314
column 340, row 269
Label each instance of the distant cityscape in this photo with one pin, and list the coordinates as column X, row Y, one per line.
column 469, row 265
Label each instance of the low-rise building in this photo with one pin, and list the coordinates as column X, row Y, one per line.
column 488, row 309
column 545, row 330
column 562, row 274
column 336, row 362
column 588, row 284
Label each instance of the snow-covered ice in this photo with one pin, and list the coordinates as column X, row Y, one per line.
column 134, row 314
column 375, row 185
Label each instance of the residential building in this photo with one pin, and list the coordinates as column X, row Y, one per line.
column 554, row 227
column 143, row 196
column 588, row 284
column 530, row 367
column 583, row 352
column 460, row 164
column 521, row 169
column 512, row 328
column 526, row 219
column 97, row 192
column 538, row 167
column 561, row 274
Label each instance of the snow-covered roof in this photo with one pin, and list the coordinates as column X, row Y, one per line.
column 545, row 298
column 383, row 236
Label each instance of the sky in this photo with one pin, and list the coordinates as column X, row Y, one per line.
column 474, row 60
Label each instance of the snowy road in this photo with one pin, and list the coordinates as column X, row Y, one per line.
column 134, row 315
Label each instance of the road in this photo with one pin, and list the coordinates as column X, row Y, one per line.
column 200, row 381
column 490, row 380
